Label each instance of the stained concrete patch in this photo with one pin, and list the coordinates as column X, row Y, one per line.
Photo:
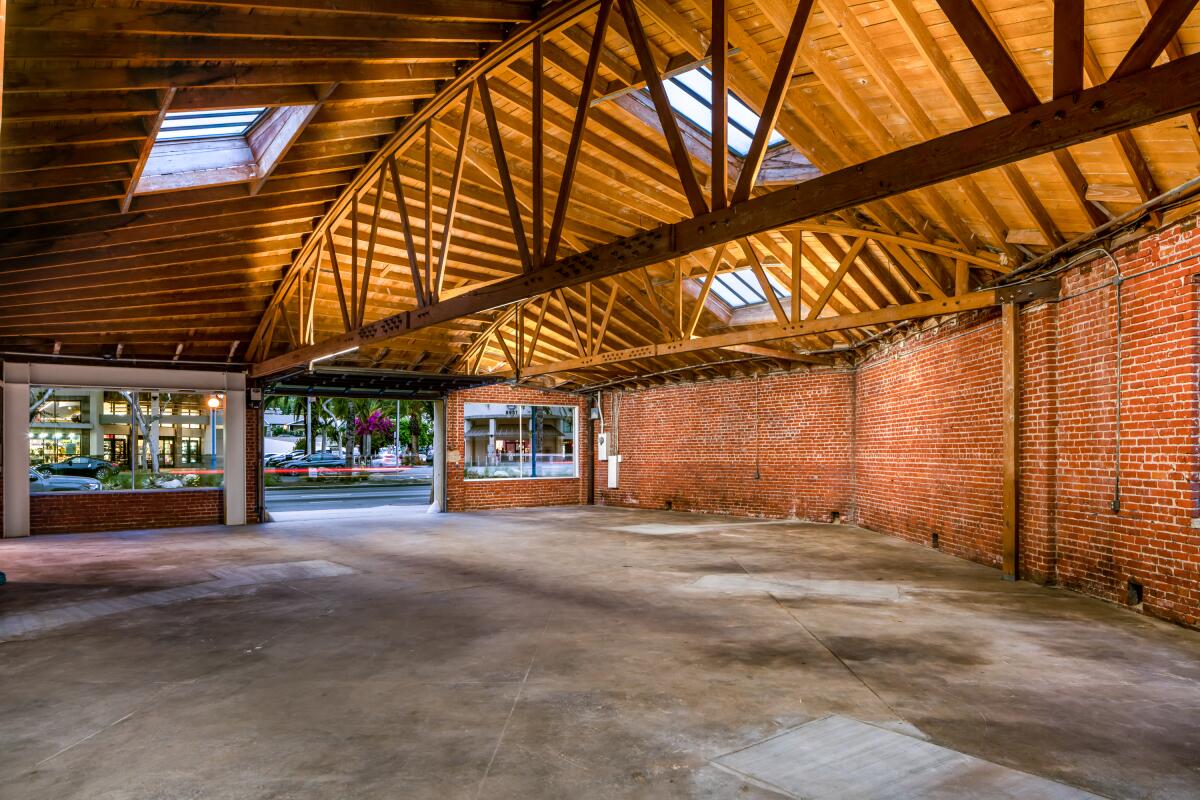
column 278, row 573
column 661, row 529
column 226, row 580
column 848, row 591
column 837, row 757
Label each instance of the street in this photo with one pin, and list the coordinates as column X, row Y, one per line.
column 345, row 497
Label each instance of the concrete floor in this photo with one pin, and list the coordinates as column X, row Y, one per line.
column 559, row 653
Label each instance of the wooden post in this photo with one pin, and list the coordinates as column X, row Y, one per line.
column 1011, row 355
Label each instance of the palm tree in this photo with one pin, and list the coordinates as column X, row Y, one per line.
column 296, row 406
column 419, row 418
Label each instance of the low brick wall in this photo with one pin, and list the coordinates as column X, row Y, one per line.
column 81, row 512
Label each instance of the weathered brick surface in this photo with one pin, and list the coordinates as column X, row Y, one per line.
column 929, row 441
column 78, row 512
column 254, row 462
column 1151, row 540
column 778, row 446
column 464, row 495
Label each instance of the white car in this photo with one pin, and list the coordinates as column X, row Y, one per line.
column 385, row 458
column 61, row 483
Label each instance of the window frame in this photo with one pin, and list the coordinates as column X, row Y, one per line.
column 574, row 446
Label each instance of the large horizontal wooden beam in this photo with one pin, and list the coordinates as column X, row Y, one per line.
column 73, row 46
column 156, row 21
column 843, row 322
column 51, row 77
column 1100, row 111
column 482, row 10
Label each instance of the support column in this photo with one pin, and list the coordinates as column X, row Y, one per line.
column 1011, row 357
column 16, row 450
column 235, row 457
column 439, row 456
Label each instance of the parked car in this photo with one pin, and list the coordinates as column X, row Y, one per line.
column 315, row 461
column 61, row 483
column 276, row 459
column 86, row 466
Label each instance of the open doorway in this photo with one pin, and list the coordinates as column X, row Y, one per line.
column 343, row 454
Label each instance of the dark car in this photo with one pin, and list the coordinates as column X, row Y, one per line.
column 277, row 459
column 316, row 460
column 85, row 466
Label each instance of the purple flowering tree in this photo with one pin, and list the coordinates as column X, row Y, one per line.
column 375, row 424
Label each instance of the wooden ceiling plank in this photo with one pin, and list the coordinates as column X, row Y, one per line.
column 220, row 24
column 50, row 76
column 469, row 10
column 74, row 46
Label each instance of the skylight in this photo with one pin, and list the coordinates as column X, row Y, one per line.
column 179, row 125
column 690, row 94
column 740, row 288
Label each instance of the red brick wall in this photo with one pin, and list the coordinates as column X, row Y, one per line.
column 778, row 446
column 474, row 495
column 1151, row 540
column 928, row 458
column 929, row 441
column 254, row 459
column 79, row 512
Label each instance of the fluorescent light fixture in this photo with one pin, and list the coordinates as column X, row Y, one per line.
column 331, row 355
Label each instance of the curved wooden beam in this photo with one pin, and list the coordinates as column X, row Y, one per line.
column 503, row 54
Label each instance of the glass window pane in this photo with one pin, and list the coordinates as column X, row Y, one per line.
column 209, row 124
column 729, row 296
column 88, row 440
column 741, row 288
column 688, row 106
column 518, row 441
column 748, row 286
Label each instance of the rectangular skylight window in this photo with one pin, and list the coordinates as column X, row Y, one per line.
column 690, row 94
column 178, row 125
column 741, row 288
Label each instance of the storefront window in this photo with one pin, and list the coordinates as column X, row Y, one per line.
column 150, row 449
column 115, row 405
column 518, row 441
column 51, row 408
